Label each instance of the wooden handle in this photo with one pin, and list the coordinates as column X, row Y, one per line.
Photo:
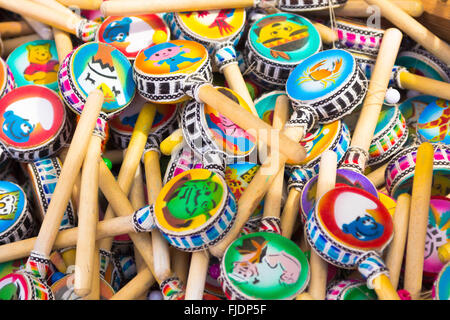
column 9, row 45
column 444, row 252
column 198, row 270
column 72, row 165
column 327, row 34
column 136, row 287
column 169, row 144
column 319, row 267
column 12, row 29
column 425, row 85
column 87, row 218
column 114, row 8
column 36, row 11
column 236, row 82
column 384, row 289
column 94, row 294
column 304, row 296
column 290, row 213
column 272, row 201
column 377, row 176
column 82, row 4
column 63, row 44
column 368, row 119
column 418, row 220
column 414, row 29
column 180, row 263
column 395, row 252
column 251, row 123
column 360, row 8
column 154, row 185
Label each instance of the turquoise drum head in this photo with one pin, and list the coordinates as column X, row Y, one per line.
column 434, row 122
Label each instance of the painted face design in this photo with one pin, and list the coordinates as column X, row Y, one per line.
column 191, row 198
column 282, row 34
column 170, row 54
column 364, row 228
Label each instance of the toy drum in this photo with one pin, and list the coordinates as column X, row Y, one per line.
column 34, row 124
column 182, row 160
column 219, row 31
column 263, row 266
column 121, row 126
column 160, row 71
column 433, row 124
column 423, row 63
column 7, row 82
column 344, row 177
column 194, row 210
column 357, row 37
column 92, row 66
column 35, row 63
column 389, row 137
column 332, row 136
column 350, row 290
column 400, row 171
column 441, row 287
column 438, row 234
column 23, row 286
column 276, row 44
column 16, row 220
column 307, row 5
column 328, row 84
column 349, row 228
column 63, row 289
column 207, row 131
column 131, row 34
column 412, row 109
column 43, row 175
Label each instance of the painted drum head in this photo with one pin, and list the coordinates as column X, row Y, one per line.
column 412, row 108
column 63, row 289
column 122, row 125
column 96, row 65
column 23, row 286
column 424, row 64
column 434, row 122
column 131, row 34
column 388, row 202
column 263, row 266
column 12, row 266
column 344, row 177
column 207, row 130
column 33, row 122
column 238, row 176
column 441, row 286
column 389, row 137
column 399, row 173
column 265, row 105
column 276, row 44
column 330, row 82
column 438, row 234
column 350, row 290
column 16, row 221
column 194, row 209
column 307, row 5
column 35, row 63
column 7, row 82
column 44, row 175
column 209, row 26
column 354, row 218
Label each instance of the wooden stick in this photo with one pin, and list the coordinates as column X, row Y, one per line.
column 365, row 127
column 113, row 8
column 171, row 142
column 87, row 219
column 11, row 29
column 251, row 123
column 435, row 88
column 154, row 186
column 63, row 44
column 360, row 8
column 180, row 263
column 290, row 213
column 395, row 252
column 82, row 4
column 36, row 11
column 236, row 82
column 377, row 176
column 319, row 268
column 72, row 165
column 9, row 45
column 384, row 289
column 418, row 221
column 96, row 280
column 198, row 270
column 327, row 34
column 414, row 29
